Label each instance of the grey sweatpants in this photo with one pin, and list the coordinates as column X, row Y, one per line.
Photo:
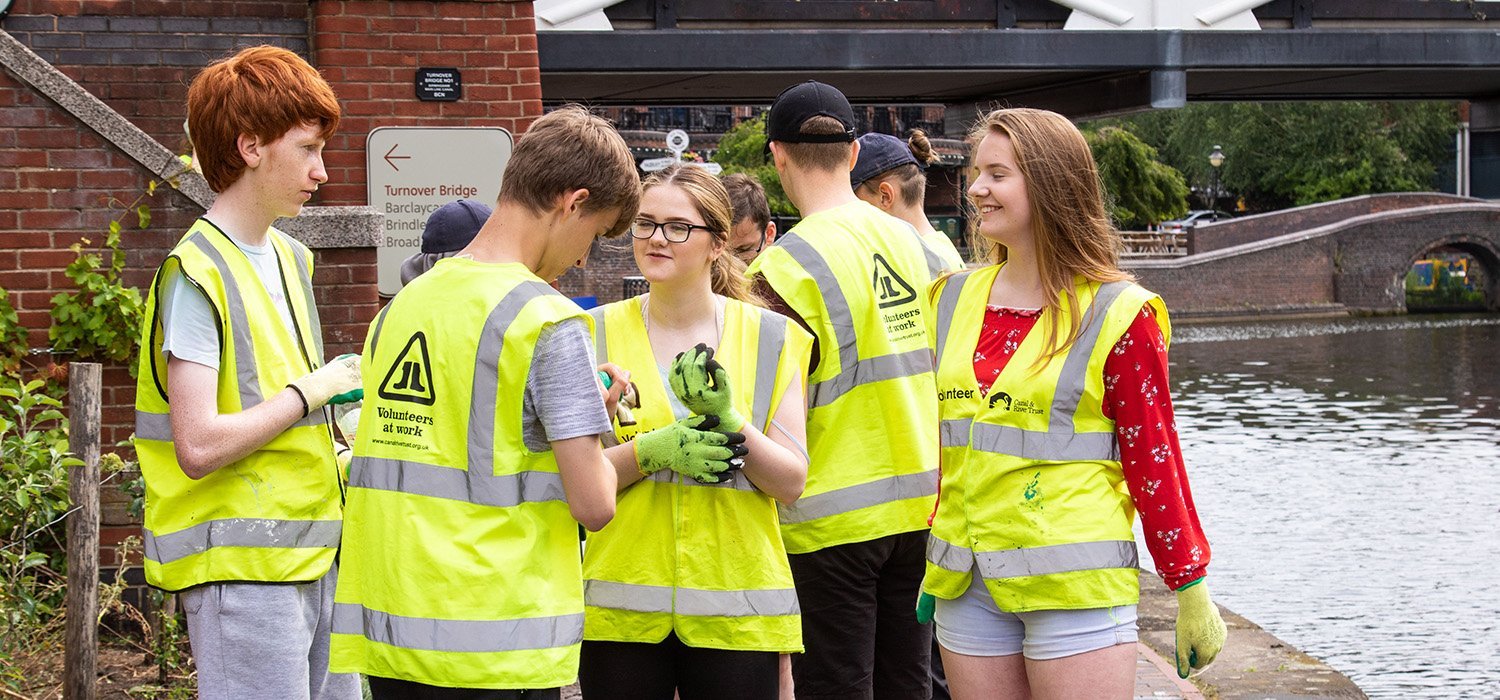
column 257, row 640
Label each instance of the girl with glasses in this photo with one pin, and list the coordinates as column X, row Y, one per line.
column 688, row 590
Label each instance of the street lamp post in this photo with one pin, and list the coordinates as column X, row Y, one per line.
column 1216, row 159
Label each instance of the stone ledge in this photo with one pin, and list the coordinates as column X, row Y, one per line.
column 335, row 227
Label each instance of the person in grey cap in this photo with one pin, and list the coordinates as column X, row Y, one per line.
column 448, row 230
column 892, row 175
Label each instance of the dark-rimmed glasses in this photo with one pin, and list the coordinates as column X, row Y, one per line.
column 674, row 231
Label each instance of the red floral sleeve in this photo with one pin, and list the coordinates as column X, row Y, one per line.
column 1136, row 396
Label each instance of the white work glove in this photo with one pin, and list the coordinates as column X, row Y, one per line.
column 334, row 383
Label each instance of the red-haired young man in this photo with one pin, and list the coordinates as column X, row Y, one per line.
column 244, row 495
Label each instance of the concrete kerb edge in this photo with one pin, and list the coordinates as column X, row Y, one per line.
column 1169, row 669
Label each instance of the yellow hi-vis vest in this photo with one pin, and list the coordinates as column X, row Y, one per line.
column 855, row 276
column 1033, row 492
column 460, row 563
column 273, row 516
column 703, row 560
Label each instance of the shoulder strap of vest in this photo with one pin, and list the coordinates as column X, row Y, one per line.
column 302, row 257
column 1074, row 376
column 601, row 346
column 947, row 304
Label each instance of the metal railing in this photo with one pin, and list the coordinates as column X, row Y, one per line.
column 1154, row 244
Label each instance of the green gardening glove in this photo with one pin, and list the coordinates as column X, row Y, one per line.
column 1200, row 630
column 925, row 605
column 693, row 448
column 701, row 383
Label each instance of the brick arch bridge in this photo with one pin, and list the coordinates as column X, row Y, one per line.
column 1355, row 265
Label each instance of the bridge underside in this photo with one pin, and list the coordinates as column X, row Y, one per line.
column 1077, row 73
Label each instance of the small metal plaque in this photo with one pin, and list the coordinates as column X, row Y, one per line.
column 439, row 85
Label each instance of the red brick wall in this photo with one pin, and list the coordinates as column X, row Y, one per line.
column 138, row 56
column 369, row 52
column 1260, row 227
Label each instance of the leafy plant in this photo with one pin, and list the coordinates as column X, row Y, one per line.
column 743, row 150
column 102, row 318
column 34, row 463
column 13, row 345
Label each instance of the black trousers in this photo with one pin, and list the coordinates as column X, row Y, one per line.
column 392, row 689
column 637, row 671
column 859, row 621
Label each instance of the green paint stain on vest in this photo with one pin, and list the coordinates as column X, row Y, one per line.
column 1033, row 492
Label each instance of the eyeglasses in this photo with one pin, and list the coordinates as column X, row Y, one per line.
column 674, row 231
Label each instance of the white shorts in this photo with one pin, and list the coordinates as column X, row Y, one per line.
column 973, row 625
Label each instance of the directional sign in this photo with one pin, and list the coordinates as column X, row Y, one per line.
column 411, row 171
column 652, row 165
column 712, row 168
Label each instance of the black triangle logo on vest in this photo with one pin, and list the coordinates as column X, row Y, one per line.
column 890, row 289
column 410, row 376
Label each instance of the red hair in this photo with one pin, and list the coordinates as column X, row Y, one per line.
column 262, row 91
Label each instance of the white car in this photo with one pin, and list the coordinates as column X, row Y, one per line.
column 1193, row 218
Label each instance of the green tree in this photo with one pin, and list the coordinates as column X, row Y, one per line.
column 742, row 150
column 1140, row 189
column 1284, row 154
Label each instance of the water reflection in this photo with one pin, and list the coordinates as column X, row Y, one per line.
column 1342, row 469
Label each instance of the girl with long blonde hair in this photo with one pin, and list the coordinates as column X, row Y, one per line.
column 1057, row 429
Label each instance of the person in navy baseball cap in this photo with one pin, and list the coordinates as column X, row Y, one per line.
column 448, row 230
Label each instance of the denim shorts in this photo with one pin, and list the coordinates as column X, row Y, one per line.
column 973, row 625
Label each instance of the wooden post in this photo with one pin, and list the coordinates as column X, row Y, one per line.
column 81, row 650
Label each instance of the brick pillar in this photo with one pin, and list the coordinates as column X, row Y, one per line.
column 370, row 51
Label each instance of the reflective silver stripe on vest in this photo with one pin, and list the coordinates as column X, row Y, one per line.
column 1059, row 443
column 473, row 636
column 679, row 411
column 454, row 484
column 379, row 321
column 853, row 371
column 935, row 264
column 946, row 307
column 601, row 348
column 1056, row 445
column 737, row 481
column 486, row 386
column 1074, row 374
column 1057, row 559
column 239, row 325
column 949, row 556
column 851, row 498
column 693, row 602
column 954, row 432
column 875, row 369
column 153, row 426
column 241, row 532
column 768, row 347
column 304, row 273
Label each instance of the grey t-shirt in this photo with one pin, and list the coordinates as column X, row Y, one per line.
column 562, row 397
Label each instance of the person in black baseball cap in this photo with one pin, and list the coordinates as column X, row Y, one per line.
column 856, row 539
column 448, row 230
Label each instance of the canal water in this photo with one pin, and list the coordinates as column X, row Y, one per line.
column 1347, row 473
